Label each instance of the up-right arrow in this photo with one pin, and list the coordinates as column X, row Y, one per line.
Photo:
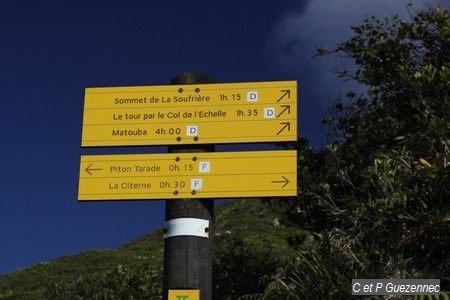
column 285, row 108
column 285, row 93
column 285, row 181
column 286, row 125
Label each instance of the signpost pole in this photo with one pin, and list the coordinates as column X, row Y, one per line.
column 188, row 259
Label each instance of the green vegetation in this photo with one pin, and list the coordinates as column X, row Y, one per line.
column 82, row 274
column 135, row 270
column 374, row 203
column 377, row 197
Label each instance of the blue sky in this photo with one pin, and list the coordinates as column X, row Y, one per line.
column 50, row 51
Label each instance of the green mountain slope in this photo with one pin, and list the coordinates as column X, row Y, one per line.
column 102, row 272
column 32, row 282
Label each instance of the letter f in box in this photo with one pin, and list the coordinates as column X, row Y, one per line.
column 196, row 184
column 204, row 167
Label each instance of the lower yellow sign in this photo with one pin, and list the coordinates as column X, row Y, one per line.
column 188, row 175
column 184, row 294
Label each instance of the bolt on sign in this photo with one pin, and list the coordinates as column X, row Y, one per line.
column 190, row 114
column 184, row 294
column 188, row 175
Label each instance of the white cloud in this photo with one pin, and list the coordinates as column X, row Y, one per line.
column 324, row 23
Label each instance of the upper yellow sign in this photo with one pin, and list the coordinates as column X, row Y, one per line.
column 190, row 114
column 188, row 175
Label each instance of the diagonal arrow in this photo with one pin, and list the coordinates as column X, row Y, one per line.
column 286, row 92
column 285, row 181
column 286, row 125
column 89, row 169
column 286, row 108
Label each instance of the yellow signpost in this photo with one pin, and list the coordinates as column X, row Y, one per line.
column 190, row 114
column 188, row 175
column 184, row 295
column 180, row 115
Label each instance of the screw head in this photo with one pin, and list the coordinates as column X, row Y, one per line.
column 175, row 192
column 177, row 158
column 180, row 90
column 178, row 139
column 197, row 90
column 194, row 158
column 193, row 192
column 195, row 138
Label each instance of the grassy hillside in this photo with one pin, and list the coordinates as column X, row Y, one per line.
column 96, row 272
column 32, row 282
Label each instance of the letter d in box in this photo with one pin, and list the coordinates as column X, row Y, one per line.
column 192, row 130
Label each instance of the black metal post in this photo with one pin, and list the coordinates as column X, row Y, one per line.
column 188, row 259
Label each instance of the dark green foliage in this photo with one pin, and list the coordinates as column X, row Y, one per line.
column 251, row 246
column 240, row 269
column 378, row 196
column 138, row 282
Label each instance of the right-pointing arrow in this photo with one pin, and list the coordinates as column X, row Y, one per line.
column 285, row 181
column 286, row 125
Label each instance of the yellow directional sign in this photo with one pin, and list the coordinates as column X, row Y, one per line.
column 190, row 114
column 184, row 294
column 188, row 175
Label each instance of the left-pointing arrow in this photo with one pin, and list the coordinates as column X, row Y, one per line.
column 89, row 169
column 285, row 181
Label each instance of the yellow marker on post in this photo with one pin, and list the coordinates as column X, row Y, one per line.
column 184, row 294
column 190, row 114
